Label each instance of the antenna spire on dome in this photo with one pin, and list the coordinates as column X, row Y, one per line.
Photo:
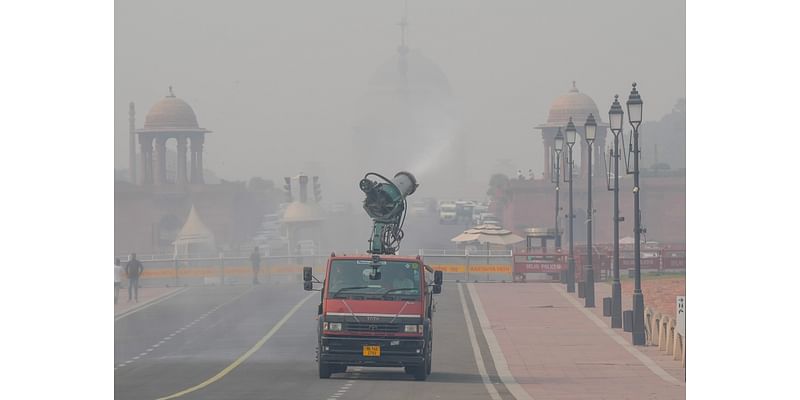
column 403, row 26
column 170, row 92
column 574, row 88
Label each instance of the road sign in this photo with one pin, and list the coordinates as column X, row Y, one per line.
column 680, row 326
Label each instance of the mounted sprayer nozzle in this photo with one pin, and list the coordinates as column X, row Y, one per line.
column 385, row 203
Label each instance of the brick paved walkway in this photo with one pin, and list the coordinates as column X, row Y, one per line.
column 555, row 351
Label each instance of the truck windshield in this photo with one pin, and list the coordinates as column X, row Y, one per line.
column 349, row 278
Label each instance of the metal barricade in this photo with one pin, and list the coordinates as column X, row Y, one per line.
column 471, row 266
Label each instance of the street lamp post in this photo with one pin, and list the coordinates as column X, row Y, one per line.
column 590, row 130
column 559, row 145
column 571, row 134
column 615, row 116
column 635, row 118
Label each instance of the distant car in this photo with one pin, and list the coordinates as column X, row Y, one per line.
column 447, row 213
column 307, row 247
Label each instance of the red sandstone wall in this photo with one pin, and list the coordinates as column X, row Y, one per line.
column 663, row 203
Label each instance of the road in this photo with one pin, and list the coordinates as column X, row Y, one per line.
column 258, row 342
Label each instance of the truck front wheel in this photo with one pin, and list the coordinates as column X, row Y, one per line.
column 420, row 372
column 324, row 370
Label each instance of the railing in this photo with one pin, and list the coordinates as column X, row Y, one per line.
column 661, row 330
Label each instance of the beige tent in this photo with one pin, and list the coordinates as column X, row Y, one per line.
column 194, row 238
column 489, row 235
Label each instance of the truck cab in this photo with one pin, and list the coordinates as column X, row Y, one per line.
column 377, row 312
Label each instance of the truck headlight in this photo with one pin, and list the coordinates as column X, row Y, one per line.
column 332, row 326
column 413, row 329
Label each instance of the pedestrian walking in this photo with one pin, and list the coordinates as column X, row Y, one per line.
column 134, row 270
column 255, row 262
column 118, row 271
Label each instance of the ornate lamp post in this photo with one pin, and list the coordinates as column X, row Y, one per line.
column 571, row 137
column 635, row 118
column 615, row 115
column 559, row 145
column 590, row 130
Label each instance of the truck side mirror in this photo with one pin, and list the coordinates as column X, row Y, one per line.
column 308, row 285
column 307, row 275
column 437, row 278
column 437, row 289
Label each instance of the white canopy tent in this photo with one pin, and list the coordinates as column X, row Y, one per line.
column 194, row 238
column 489, row 235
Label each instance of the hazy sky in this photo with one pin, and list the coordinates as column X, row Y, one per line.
column 278, row 81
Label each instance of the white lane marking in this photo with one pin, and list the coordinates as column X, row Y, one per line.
column 647, row 361
column 151, row 303
column 494, row 349
column 185, row 327
column 244, row 356
column 475, row 349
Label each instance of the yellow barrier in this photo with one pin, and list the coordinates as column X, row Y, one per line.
column 202, row 272
column 449, row 268
column 502, row 269
column 460, row 268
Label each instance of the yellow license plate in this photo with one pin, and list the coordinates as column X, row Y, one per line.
column 371, row 351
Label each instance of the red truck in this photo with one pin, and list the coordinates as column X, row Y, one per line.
column 375, row 311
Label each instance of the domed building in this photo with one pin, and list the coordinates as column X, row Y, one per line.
column 169, row 184
column 169, row 118
column 406, row 119
column 578, row 106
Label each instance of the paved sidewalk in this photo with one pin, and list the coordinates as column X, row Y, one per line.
column 556, row 350
column 146, row 295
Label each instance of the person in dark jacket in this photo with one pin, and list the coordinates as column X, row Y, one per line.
column 255, row 262
column 134, row 270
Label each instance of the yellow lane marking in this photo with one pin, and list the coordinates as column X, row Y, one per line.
column 244, row 356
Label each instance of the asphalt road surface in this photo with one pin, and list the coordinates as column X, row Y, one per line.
column 258, row 342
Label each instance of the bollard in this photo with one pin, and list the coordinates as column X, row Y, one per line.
column 606, row 306
column 627, row 320
column 581, row 288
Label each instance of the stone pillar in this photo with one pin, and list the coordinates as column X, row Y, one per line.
column 600, row 166
column 181, row 176
column 192, row 165
column 146, row 143
column 584, row 158
column 132, row 172
column 546, row 143
column 161, row 161
column 200, row 164
column 197, row 159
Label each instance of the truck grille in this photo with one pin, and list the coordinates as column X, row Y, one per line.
column 367, row 327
